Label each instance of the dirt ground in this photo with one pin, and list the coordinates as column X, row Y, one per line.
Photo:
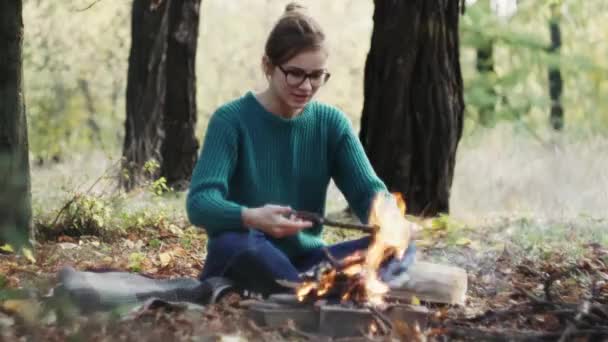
column 511, row 295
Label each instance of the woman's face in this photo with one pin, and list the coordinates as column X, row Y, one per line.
column 296, row 81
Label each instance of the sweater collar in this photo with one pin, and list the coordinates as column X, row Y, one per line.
column 273, row 117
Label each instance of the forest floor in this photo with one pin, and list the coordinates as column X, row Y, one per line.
column 530, row 278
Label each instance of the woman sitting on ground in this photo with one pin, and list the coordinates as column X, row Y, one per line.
column 267, row 153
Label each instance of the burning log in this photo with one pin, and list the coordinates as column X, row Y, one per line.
column 338, row 280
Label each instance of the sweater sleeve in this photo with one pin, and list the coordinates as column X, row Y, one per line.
column 353, row 173
column 207, row 204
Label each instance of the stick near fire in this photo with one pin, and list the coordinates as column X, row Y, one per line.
column 318, row 219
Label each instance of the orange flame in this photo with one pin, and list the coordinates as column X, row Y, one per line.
column 305, row 289
column 391, row 239
column 373, row 328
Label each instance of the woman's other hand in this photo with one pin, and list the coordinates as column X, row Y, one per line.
column 274, row 220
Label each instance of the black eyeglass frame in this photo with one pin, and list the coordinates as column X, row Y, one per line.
column 307, row 75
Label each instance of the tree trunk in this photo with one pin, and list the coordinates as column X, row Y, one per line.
column 485, row 68
column 161, row 91
column 413, row 109
column 146, row 86
column 15, row 198
column 555, row 75
column 179, row 149
column 83, row 84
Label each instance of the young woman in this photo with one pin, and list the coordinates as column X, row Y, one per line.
column 270, row 152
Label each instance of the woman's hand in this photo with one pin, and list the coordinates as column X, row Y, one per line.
column 273, row 220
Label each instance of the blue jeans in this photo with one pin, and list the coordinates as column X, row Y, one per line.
column 253, row 263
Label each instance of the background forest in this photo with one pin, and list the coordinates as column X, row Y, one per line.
column 512, row 160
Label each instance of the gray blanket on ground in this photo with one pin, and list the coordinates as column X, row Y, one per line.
column 94, row 291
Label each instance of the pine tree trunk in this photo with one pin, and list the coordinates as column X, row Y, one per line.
column 179, row 149
column 413, row 110
column 15, row 198
column 555, row 74
column 146, row 88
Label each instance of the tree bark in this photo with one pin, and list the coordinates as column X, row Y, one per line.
column 555, row 74
column 15, row 196
column 146, row 88
column 161, row 91
column 413, row 108
column 179, row 149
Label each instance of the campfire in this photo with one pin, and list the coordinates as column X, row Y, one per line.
column 355, row 279
column 346, row 297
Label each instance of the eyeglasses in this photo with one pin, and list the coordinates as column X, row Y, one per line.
column 294, row 77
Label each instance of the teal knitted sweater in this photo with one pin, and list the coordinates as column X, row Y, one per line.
column 251, row 157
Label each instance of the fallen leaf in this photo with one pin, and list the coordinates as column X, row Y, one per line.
column 440, row 244
column 165, row 258
column 7, row 248
column 67, row 245
column 463, row 241
column 175, row 230
column 138, row 245
column 165, row 234
column 475, row 245
column 25, row 308
column 424, row 243
column 129, row 243
column 65, row 238
column 179, row 251
column 27, row 253
column 6, row 321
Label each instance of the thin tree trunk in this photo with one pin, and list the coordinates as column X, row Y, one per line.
column 83, row 84
column 555, row 74
column 413, row 109
column 146, row 87
column 179, row 149
column 15, row 197
column 485, row 68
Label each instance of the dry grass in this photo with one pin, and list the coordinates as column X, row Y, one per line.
column 501, row 172
column 507, row 184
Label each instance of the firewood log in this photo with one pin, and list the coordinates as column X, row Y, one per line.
column 433, row 283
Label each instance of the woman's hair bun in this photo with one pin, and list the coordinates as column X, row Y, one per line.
column 294, row 7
